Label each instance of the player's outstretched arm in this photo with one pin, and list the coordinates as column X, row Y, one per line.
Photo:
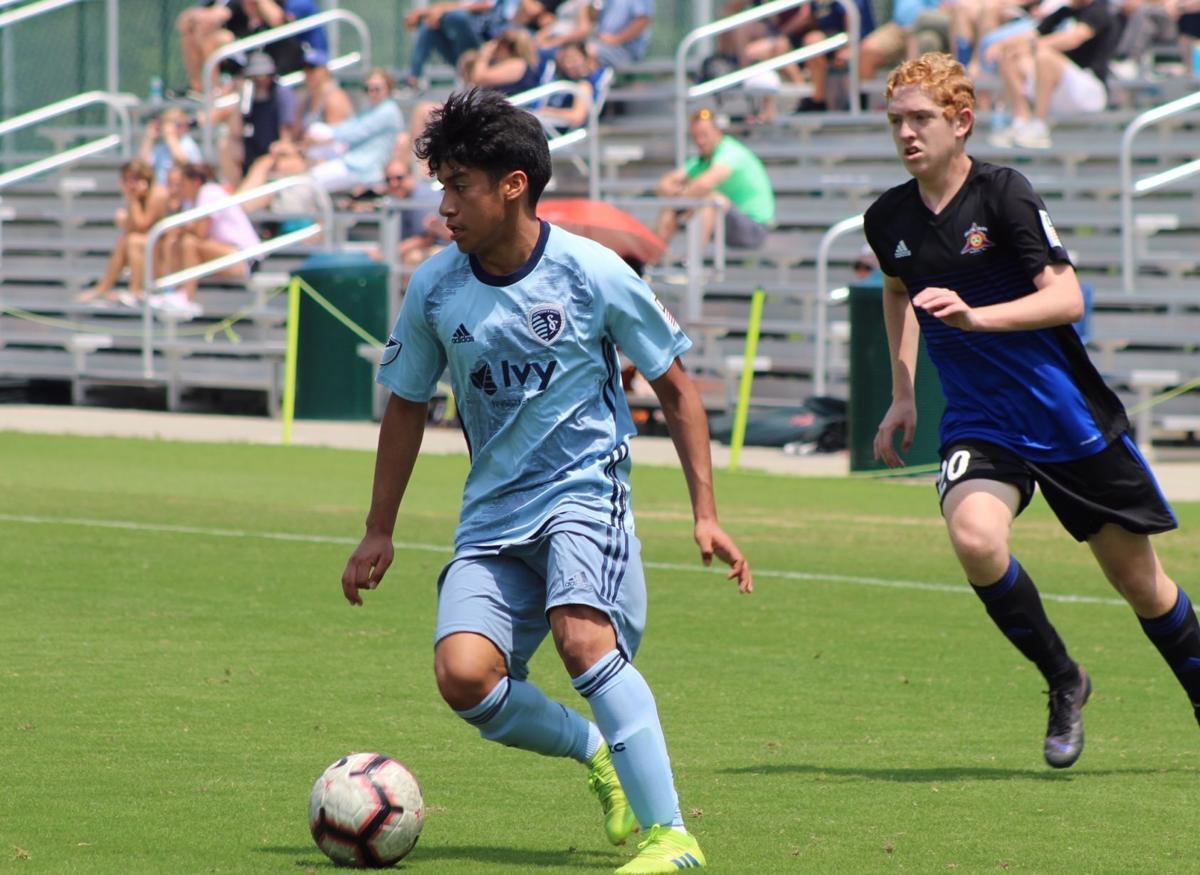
column 688, row 424
column 903, row 335
column 400, row 436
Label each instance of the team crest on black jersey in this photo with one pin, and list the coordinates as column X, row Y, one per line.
column 976, row 239
column 547, row 321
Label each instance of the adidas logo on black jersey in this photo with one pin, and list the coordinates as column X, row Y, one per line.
column 902, row 250
column 461, row 335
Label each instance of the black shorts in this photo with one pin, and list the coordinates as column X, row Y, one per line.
column 1113, row 486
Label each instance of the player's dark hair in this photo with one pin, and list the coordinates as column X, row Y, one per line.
column 480, row 129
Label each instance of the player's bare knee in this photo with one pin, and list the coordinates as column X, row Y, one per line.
column 978, row 542
column 466, row 670
column 582, row 635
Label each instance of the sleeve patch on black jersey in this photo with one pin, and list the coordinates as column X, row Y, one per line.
column 1051, row 233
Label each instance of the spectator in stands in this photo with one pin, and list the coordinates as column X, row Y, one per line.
column 365, row 142
column 1063, row 68
column 509, row 63
column 622, row 32
column 1150, row 22
column 269, row 114
column 423, row 231
column 802, row 27
column 725, row 170
column 207, row 26
column 294, row 205
column 145, row 203
column 572, row 22
column 325, row 101
column 574, row 64
column 289, row 54
column 222, row 233
column 453, row 28
column 917, row 27
column 166, row 142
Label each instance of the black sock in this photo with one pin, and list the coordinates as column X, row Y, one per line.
column 1176, row 634
column 1015, row 607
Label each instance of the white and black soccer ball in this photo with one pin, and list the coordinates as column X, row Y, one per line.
column 366, row 810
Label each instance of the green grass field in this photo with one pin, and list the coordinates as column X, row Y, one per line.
column 179, row 666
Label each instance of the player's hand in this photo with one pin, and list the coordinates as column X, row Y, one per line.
column 901, row 415
column 367, row 565
column 946, row 305
column 712, row 540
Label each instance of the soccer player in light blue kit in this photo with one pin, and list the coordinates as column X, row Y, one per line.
column 528, row 319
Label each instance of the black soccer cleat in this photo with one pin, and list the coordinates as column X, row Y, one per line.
column 1064, row 732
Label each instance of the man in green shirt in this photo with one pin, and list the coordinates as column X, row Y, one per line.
column 725, row 170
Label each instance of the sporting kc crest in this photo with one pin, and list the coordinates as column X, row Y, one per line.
column 547, row 321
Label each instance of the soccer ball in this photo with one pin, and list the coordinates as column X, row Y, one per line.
column 366, row 810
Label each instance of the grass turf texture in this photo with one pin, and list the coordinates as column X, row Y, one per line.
column 169, row 696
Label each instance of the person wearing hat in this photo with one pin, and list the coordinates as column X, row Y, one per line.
column 268, row 109
column 324, row 100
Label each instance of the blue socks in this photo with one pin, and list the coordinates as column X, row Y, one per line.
column 625, row 711
column 1015, row 607
column 1176, row 634
column 518, row 714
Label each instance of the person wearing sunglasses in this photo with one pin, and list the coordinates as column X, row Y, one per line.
column 364, row 142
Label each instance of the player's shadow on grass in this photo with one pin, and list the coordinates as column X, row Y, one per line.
column 929, row 776
column 310, row 858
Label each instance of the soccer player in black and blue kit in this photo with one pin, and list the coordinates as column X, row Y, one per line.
column 972, row 262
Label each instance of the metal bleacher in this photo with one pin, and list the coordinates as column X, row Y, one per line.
column 825, row 167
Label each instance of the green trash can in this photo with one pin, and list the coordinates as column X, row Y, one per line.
column 332, row 380
column 871, row 383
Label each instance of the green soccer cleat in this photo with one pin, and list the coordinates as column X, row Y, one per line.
column 664, row 850
column 619, row 821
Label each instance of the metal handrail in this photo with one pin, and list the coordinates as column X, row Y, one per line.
column 591, row 132
column 119, row 103
column 111, row 31
column 275, row 34
column 35, row 168
column 821, row 362
column 1129, row 189
column 149, row 284
column 682, row 92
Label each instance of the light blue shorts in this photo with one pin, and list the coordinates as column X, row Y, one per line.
column 505, row 593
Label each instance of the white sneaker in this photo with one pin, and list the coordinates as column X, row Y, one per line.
column 175, row 304
column 128, row 299
column 1125, row 69
column 1033, row 134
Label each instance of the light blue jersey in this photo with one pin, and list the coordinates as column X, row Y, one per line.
column 533, row 361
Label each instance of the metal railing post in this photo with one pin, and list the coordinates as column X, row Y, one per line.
column 118, row 103
column 821, row 358
column 1129, row 188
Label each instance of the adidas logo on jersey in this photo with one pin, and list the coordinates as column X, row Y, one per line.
column 461, row 335
column 902, row 250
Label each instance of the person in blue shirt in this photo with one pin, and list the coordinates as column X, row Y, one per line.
column 973, row 264
column 622, row 32
column 527, row 319
column 365, row 142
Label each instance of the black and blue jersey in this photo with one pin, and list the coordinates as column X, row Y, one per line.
column 1035, row 392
